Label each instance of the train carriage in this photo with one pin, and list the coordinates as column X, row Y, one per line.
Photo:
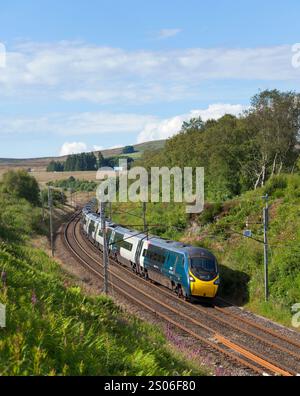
column 123, row 245
column 91, row 226
column 192, row 272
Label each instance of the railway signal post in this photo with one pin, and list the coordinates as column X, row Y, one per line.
column 105, row 247
column 266, row 258
column 43, row 207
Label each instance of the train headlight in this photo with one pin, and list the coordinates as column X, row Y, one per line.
column 217, row 282
column 192, row 279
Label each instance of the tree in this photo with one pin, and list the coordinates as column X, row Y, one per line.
column 100, row 160
column 275, row 119
column 81, row 162
column 128, row 150
column 195, row 124
column 55, row 166
column 20, row 184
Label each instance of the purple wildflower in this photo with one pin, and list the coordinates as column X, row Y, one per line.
column 33, row 298
column 3, row 278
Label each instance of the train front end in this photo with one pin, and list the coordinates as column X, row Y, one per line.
column 204, row 278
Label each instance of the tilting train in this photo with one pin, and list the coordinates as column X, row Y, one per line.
column 192, row 272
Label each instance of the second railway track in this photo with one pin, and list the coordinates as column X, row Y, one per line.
column 249, row 344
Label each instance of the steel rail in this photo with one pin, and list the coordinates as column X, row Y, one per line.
column 239, row 349
column 214, row 317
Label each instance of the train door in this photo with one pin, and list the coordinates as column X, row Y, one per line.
column 109, row 239
column 138, row 254
column 170, row 268
column 91, row 230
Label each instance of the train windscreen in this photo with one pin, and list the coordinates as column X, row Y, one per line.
column 200, row 265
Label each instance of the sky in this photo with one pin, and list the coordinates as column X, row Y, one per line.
column 88, row 75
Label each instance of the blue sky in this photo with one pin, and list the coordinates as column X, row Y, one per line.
column 92, row 74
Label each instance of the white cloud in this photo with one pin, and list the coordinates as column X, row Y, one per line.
column 167, row 33
column 73, row 148
column 98, row 148
column 75, row 124
column 166, row 128
column 79, row 71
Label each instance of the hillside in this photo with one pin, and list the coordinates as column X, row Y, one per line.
column 220, row 228
column 53, row 328
column 41, row 163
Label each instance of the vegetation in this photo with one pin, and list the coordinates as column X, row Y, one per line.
column 242, row 258
column 20, row 184
column 55, row 166
column 244, row 158
column 128, row 150
column 88, row 162
column 53, row 328
column 113, row 162
column 220, row 228
column 80, row 162
column 75, row 184
column 238, row 153
column 58, row 197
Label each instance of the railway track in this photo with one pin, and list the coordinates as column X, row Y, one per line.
column 250, row 345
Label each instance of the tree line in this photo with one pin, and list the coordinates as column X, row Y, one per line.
column 77, row 162
column 86, row 162
column 238, row 153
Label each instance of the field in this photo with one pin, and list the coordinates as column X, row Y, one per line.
column 37, row 166
column 44, row 177
column 40, row 164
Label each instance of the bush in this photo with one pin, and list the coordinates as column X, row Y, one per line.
column 21, row 185
column 128, row 150
column 209, row 213
column 278, row 182
column 75, row 184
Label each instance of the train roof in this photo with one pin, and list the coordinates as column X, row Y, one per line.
column 178, row 247
column 124, row 230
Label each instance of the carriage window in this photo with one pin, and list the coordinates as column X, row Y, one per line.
column 179, row 262
column 118, row 238
column 126, row 245
column 153, row 256
column 92, row 226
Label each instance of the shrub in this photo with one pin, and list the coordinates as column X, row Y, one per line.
column 20, row 184
column 278, row 182
column 210, row 212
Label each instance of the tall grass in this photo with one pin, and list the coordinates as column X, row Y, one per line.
column 53, row 328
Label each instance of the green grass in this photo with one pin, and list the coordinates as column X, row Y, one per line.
column 54, row 328
column 135, row 156
column 220, row 228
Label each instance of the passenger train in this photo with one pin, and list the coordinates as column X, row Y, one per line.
column 191, row 272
